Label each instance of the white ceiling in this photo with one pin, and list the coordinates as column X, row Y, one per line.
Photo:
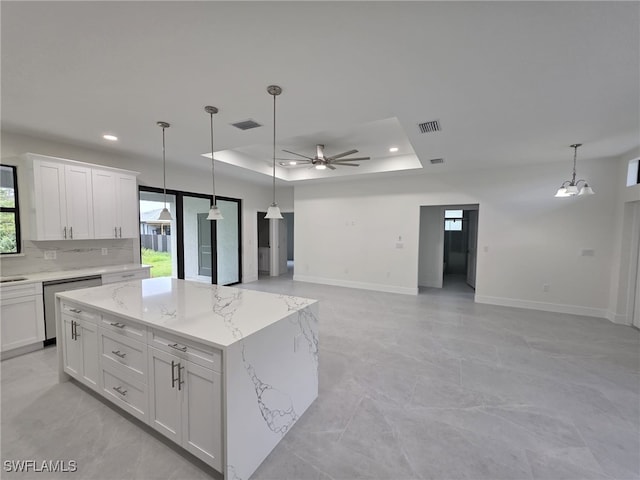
column 512, row 83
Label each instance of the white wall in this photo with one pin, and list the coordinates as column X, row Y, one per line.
column 197, row 179
column 346, row 233
column 431, row 247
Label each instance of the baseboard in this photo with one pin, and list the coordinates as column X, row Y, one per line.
column 543, row 306
column 619, row 318
column 362, row 285
column 250, row 279
column 21, row 350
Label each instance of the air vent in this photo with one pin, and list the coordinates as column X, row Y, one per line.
column 428, row 127
column 436, row 161
column 246, row 125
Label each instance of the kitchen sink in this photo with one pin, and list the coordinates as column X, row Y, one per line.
column 12, row 279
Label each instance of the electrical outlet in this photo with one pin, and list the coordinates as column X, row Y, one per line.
column 399, row 245
column 49, row 254
column 105, row 251
column 545, row 287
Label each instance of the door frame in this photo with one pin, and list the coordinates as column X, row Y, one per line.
column 179, row 196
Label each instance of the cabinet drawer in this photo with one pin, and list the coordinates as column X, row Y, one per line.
column 125, row 328
column 125, row 353
column 125, row 276
column 125, row 392
column 80, row 313
column 16, row 291
column 199, row 354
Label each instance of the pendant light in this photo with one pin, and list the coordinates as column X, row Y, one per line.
column 274, row 211
column 164, row 214
column 214, row 211
column 569, row 188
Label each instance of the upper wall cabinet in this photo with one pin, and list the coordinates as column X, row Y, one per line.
column 115, row 196
column 75, row 201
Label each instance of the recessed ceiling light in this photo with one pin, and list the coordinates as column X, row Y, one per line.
column 293, row 162
column 393, row 149
column 111, row 138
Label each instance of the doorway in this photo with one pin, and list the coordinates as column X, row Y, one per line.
column 272, row 246
column 448, row 247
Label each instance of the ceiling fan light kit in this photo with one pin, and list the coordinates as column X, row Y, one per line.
column 273, row 212
column 322, row 162
column 569, row 188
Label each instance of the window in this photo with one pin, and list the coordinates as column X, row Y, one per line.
column 453, row 220
column 9, row 214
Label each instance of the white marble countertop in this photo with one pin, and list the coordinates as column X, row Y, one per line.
column 64, row 274
column 211, row 314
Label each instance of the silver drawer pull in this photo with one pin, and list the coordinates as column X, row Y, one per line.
column 129, row 275
column 117, row 353
column 117, row 324
column 75, row 310
column 120, row 390
column 182, row 348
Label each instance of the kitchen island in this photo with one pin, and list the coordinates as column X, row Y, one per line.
column 221, row 371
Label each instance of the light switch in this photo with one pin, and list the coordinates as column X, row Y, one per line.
column 587, row 252
column 49, row 254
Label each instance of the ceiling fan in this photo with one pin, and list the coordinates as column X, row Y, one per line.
column 321, row 161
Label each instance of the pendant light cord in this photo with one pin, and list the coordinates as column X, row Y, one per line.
column 164, row 171
column 575, row 155
column 213, row 176
column 274, row 149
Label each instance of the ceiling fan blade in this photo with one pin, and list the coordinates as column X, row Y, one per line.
column 346, row 164
column 343, row 154
column 297, row 160
column 298, row 154
column 331, row 166
column 355, row 159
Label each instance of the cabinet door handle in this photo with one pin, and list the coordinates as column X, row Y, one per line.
column 64, row 233
column 117, row 324
column 71, row 232
column 180, row 381
column 173, row 377
column 120, row 390
column 129, row 275
column 75, row 310
column 73, row 330
column 182, row 348
column 115, row 232
column 117, row 353
column 120, row 228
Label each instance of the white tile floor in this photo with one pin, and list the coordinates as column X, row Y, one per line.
column 426, row 387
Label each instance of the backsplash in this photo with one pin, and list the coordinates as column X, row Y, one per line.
column 70, row 254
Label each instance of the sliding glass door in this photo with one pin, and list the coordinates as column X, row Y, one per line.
column 191, row 247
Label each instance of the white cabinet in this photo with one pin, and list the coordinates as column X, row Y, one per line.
column 21, row 316
column 63, row 201
column 137, row 274
column 115, row 201
column 75, row 201
column 186, row 404
column 80, row 344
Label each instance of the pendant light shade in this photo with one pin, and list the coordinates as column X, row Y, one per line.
column 164, row 214
column 569, row 188
column 214, row 211
column 273, row 212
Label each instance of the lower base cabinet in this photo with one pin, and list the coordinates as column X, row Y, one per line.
column 80, row 342
column 185, row 405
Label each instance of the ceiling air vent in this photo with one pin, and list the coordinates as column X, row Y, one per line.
column 436, row 161
column 246, row 125
column 428, row 127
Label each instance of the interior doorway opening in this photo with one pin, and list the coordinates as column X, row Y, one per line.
column 448, row 248
column 273, row 251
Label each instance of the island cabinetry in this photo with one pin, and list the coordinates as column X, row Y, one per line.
column 186, row 400
column 129, row 275
column 22, row 317
column 80, row 344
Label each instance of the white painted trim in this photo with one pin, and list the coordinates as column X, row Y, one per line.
column 544, row 306
column 619, row 318
column 362, row 285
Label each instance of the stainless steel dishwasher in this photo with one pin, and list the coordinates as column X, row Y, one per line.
column 50, row 289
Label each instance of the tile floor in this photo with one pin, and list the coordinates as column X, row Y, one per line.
column 426, row 387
